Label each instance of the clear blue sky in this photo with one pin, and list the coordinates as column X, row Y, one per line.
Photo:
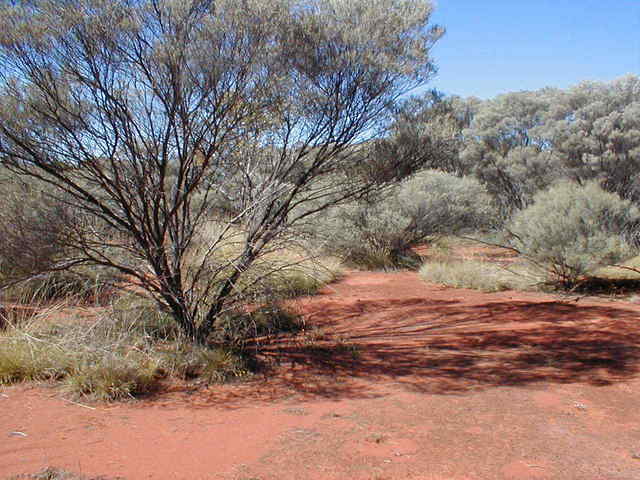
column 498, row 46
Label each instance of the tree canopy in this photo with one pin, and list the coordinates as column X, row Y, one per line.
column 146, row 116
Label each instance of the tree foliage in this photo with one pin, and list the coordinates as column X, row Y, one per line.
column 148, row 115
column 520, row 143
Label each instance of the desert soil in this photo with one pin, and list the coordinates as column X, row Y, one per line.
column 399, row 380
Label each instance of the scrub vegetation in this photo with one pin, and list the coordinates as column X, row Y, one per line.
column 186, row 197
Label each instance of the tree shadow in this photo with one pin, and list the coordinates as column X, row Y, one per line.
column 444, row 347
column 440, row 347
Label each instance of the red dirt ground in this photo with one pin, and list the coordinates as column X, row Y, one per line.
column 444, row 384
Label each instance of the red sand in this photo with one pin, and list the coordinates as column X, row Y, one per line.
column 444, row 384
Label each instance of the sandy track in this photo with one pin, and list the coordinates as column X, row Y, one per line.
column 441, row 384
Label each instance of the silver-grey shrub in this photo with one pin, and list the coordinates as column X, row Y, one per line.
column 572, row 229
column 380, row 233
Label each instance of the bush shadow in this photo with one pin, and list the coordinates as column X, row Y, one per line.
column 445, row 347
column 439, row 347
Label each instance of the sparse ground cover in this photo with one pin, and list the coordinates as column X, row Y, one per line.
column 464, row 263
column 126, row 348
column 392, row 377
column 55, row 474
column 467, row 263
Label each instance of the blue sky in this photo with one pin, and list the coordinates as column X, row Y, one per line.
column 497, row 46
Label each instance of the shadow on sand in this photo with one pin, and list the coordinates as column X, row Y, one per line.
column 444, row 347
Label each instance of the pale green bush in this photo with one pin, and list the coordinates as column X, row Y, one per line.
column 380, row 233
column 570, row 230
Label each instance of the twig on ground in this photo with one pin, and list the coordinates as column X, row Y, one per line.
column 79, row 404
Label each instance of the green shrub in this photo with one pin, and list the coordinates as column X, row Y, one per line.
column 380, row 233
column 571, row 230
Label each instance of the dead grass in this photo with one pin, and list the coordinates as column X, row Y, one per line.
column 463, row 263
column 479, row 275
column 619, row 273
column 130, row 347
column 289, row 269
column 124, row 353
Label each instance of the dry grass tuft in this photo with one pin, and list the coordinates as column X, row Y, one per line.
column 478, row 275
column 124, row 353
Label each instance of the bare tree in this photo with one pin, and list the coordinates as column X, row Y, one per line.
column 192, row 136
